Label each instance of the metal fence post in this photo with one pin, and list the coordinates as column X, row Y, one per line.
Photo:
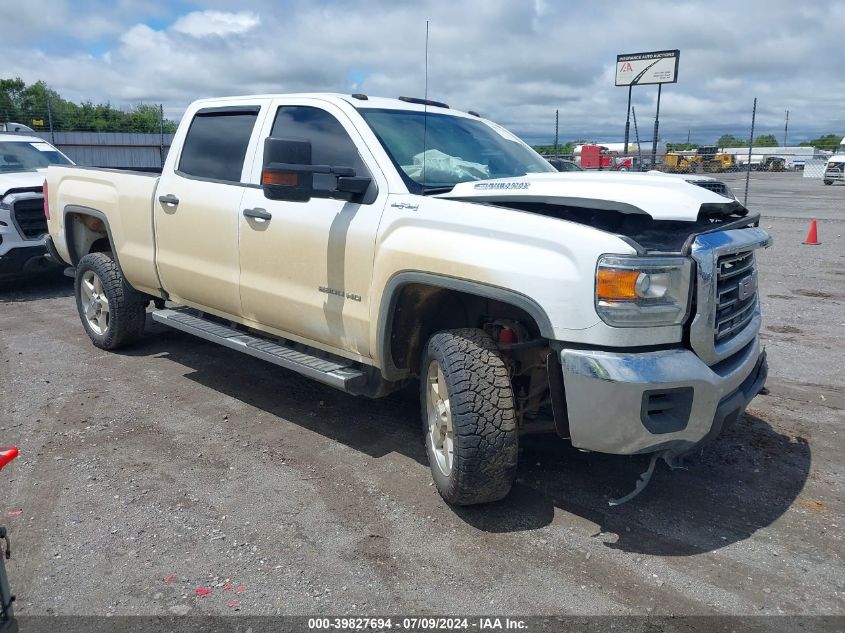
column 50, row 121
column 750, row 145
column 161, row 134
column 557, row 118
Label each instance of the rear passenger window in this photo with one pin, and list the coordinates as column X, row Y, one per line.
column 330, row 144
column 216, row 143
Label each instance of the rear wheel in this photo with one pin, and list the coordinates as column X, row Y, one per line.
column 111, row 311
column 468, row 417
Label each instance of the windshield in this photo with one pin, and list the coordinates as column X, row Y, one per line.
column 841, row 149
column 457, row 149
column 24, row 156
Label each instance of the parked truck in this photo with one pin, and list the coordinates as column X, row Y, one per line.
column 23, row 228
column 369, row 243
column 834, row 170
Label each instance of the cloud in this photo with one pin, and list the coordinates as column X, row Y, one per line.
column 516, row 62
column 205, row 23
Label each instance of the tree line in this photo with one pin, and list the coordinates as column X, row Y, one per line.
column 36, row 105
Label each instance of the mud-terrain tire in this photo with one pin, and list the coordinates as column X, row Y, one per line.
column 475, row 417
column 111, row 311
column 828, row 182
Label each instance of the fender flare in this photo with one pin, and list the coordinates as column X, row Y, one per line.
column 71, row 246
column 69, row 242
column 467, row 286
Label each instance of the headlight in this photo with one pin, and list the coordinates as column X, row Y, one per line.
column 641, row 291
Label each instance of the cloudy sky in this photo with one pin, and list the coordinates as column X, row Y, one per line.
column 514, row 61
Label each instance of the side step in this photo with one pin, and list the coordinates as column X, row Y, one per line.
column 339, row 374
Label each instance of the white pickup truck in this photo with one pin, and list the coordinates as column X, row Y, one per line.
column 834, row 170
column 367, row 242
column 23, row 160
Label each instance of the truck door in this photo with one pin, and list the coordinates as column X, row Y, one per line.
column 197, row 206
column 306, row 271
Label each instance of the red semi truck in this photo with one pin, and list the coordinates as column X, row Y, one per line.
column 599, row 157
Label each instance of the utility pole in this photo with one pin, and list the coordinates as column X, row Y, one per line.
column 785, row 128
column 688, row 131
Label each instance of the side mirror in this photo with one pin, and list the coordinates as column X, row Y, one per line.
column 283, row 176
column 289, row 175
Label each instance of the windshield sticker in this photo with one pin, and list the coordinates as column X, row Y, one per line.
column 42, row 147
column 484, row 186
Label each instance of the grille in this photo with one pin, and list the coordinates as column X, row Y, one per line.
column 29, row 216
column 713, row 185
column 736, row 294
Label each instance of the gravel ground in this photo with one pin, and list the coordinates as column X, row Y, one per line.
column 179, row 465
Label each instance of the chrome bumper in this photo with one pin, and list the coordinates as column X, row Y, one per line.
column 668, row 400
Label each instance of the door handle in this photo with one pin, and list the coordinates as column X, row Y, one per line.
column 258, row 213
column 169, row 199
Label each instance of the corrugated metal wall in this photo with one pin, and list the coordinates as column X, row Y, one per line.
column 111, row 149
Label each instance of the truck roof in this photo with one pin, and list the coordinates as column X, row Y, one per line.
column 22, row 138
column 358, row 101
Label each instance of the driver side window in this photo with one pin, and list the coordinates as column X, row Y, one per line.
column 330, row 144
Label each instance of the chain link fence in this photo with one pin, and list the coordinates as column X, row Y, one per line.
column 66, row 116
column 733, row 165
column 134, row 137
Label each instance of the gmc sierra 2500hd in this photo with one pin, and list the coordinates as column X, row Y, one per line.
column 366, row 242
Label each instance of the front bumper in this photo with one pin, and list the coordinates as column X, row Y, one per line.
column 25, row 260
column 627, row 403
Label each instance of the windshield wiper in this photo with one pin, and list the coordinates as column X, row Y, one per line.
column 427, row 191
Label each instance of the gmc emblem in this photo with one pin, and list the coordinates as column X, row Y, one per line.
column 747, row 287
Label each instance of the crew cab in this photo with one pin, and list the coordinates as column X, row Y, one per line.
column 23, row 228
column 370, row 243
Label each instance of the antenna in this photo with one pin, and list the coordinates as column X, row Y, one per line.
column 425, row 105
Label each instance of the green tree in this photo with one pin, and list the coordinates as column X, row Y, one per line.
column 766, row 140
column 30, row 105
column 563, row 149
column 729, row 140
column 827, row 142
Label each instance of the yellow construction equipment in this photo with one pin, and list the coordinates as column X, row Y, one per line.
column 706, row 158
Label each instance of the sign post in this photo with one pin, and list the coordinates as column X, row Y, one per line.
column 641, row 69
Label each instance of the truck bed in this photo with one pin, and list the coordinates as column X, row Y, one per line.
column 121, row 197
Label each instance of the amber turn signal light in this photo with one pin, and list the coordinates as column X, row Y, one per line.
column 613, row 284
column 285, row 179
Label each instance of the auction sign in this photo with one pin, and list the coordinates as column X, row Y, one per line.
column 639, row 69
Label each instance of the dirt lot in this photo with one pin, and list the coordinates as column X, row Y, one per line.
column 179, row 465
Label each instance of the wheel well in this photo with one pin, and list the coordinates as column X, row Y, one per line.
column 422, row 309
column 85, row 234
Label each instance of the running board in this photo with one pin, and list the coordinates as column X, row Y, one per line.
column 341, row 375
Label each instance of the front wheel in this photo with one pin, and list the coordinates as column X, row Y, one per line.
column 111, row 311
column 828, row 182
column 468, row 417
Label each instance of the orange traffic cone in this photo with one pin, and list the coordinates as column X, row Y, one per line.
column 812, row 235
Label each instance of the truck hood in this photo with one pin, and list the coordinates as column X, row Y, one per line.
column 20, row 180
column 654, row 195
column 837, row 158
